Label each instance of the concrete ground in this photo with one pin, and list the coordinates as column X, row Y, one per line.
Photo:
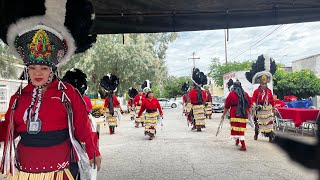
column 179, row 153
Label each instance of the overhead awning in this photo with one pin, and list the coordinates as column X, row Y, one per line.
column 145, row 16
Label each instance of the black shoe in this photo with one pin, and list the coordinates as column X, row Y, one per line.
column 198, row 129
column 272, row 135
column 255, row 136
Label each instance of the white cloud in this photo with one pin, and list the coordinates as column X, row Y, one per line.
column 285, row 43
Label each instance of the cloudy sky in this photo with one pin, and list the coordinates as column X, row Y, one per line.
column 285, row 43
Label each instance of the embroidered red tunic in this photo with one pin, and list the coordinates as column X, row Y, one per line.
column 193, row 96
column 115, row 101
column 238, row 124
column 137, row 101
column 208, row 97
column 53, row 116
column 152, row 104
column 184, row 99
column 259, row 96
column 88, row 103
column 129, row 104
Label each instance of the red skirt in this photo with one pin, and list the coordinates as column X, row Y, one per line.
column 44, row 159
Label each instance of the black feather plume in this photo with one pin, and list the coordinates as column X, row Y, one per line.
column 230, row 83
column 77, row 79
column 79, row 18
column 132, row 92
column 185, row 87
column 109, row 82
column 199, row 77
column 259, row 66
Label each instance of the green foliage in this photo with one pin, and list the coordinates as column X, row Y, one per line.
column 141, row 57
column 7, row 70
column 172, row 87
column 303, row 84
column 218, row 69
column 157, row 90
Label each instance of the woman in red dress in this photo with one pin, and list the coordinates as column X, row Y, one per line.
column 49, row 116
column 197, row 98
column 78, row 79
column 262, row 99
column 137, row 102
column 263, row 102
column 110, row 83
column 208, row 103
column 153, row 109
column 239, row 104
column 132, row 92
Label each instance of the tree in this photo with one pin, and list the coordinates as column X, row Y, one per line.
column 133, row 62
column 172, row 88
column 218, row 70
column 303, row 84
column 7, row 70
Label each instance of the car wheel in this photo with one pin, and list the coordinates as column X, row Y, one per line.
column 173, row 105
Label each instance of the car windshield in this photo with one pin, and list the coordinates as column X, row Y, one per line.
column 100, row 102
column 217, row 98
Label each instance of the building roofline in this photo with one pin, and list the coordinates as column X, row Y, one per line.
column 306, row 58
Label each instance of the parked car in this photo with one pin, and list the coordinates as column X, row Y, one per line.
column 97, row 107
column 218, row 103
column 166, row 103
column 178, row 100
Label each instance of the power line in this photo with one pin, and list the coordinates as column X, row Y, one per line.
column 317, row 29
column 256, row 43
column 253, row 41
column 280, row 33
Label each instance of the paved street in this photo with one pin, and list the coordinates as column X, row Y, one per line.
column 178, row 153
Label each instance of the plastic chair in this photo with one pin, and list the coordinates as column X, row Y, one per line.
column 312, row 124
column 286, row 123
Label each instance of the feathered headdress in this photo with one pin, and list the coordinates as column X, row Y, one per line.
column 110, row 82
column 262, row 70
column 185, row 87
column 47, row 32
column 231, row 82
column 198, row 77
column 132, row 92
column 77, row 79
column 146, row 86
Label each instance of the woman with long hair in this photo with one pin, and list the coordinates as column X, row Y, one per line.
column 238, row 103
column 48, row 115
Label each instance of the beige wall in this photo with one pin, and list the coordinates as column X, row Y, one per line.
column 215, row 91
column 312, row 63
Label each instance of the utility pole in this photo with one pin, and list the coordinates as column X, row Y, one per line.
column 194, row 58
column 226, row 38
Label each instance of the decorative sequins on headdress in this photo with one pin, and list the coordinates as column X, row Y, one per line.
column 41, row 47
column 264, row 79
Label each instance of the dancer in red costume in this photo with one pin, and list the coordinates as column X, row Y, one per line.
column 49, row 116
column 153, row 110
column 197, row 98
column 137, row 101
column 239, row 104
column 110, row 83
